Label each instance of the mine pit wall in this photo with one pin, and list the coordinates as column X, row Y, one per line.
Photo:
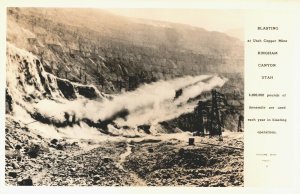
column 48, row 85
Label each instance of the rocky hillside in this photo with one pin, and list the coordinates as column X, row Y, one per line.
column 117, row 53
column 30, row 89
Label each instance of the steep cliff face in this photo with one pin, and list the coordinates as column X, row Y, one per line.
column 116, row 53
column 28, row 81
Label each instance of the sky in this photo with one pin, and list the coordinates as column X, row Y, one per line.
column 228, row 21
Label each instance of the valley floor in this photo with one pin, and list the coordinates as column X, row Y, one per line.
column 162, row 160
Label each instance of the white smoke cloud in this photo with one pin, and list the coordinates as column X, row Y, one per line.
column 149, row 104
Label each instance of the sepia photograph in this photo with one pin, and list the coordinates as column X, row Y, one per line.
column 124, row 97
